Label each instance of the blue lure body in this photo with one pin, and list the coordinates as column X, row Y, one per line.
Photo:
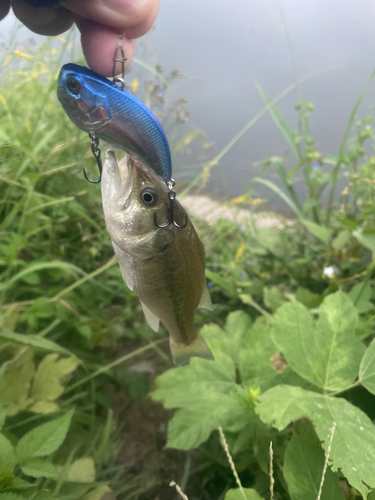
column 96, row 104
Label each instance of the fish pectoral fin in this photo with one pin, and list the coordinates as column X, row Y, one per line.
column 181, row 353
column 151, row 319
column 205, row 302
column 126, row 277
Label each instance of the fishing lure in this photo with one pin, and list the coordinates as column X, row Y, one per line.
column 106, row 111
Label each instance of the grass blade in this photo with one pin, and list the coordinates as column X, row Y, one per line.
column 280, row 123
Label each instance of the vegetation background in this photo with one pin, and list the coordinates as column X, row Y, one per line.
column 286, row 409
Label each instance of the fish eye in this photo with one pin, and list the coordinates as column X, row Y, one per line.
column 149, row 197
column 73, row 85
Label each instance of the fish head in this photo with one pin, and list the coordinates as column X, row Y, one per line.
column 82, row 97
column 133, row 199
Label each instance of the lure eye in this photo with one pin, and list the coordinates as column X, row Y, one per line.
column 73, row 85
column 149, row 197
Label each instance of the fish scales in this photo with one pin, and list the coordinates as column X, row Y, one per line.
column 163, row 266
column 95, row 104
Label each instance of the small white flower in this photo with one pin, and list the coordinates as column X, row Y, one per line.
column 330, row 271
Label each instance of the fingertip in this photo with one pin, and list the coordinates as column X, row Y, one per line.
column 4, row 8
column 99, row 43
column 144, row 26
column 48, row 21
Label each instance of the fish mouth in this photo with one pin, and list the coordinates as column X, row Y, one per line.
column 117, row 179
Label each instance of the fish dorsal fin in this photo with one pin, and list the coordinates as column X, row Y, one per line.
column 151, row 319
column 205, row 302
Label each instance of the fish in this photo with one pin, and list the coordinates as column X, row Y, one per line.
column 95, row 104
column 163, row 266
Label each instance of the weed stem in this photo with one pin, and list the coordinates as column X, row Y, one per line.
column 326, row 461
column 272, row 480
column 178, row 489
column 230, row 460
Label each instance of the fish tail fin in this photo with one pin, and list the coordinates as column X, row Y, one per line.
column 181, row 353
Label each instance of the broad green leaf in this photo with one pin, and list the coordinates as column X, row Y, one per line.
column 367, row 240
column 353, row 444
column 367, row 368
column 307, row 298
column 245, row 494
column 38, row 467
column 7, row 458
column 326, row 353
column 99, row 492
column 184, row 386
column 31, row 340
column 227, row 342
column 303, row 468
column 273, row 297
column 360, row 295
column 44, row 439
column 341, row 239
column 256, row 359
column 16, row 381
column 82, row 471
column 320, row 232
column 47, row 384
column 191, row 427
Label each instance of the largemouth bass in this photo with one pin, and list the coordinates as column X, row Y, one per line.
column 163, row 266
column 95, row 104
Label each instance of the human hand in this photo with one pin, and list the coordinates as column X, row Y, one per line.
column 101, row 23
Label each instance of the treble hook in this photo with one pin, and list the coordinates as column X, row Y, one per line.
column 120, row 82
column 172, row 196
column 96, row 152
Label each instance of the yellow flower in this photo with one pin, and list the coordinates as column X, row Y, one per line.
column 206, row 173
column 53, row 51
column 190, row 137
column 28, row 126
column 256, row 201
column 2, row 99
column 135, row 85
column 239, row 253
column 239, row 199
column 22, row 55
column 61, row 39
